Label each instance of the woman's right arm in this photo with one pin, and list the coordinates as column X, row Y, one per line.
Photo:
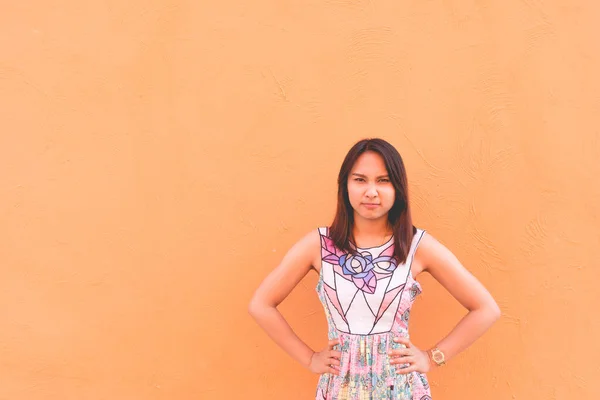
column 274, row 289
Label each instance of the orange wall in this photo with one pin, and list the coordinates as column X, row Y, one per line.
column 157, row 158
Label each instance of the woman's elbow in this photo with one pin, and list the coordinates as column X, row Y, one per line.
column 494, row 311
column 257, row 307
column 253, row 307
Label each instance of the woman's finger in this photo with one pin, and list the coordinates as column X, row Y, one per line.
column 403, row 360
column 406, row 370
column 400, row 352
column 335, row 353
column 333, row 361
column 333, row 371
column 403, row 340
column 333, row 342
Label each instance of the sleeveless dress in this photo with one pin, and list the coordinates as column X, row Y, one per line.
column 367, row 299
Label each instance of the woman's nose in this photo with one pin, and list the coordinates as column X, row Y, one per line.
column 371, row 191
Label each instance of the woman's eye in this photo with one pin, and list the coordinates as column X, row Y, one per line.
column 359, row 179
column 384, row 180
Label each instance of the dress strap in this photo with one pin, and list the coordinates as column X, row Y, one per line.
column 415, row 243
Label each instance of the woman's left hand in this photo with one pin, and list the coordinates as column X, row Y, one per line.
column 409, row 359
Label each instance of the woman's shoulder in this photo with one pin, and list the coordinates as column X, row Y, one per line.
column 426, row 240
column 431, row 251
column 312, row 239
column 311, row 244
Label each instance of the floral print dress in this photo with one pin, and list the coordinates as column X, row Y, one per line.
column 367, row 299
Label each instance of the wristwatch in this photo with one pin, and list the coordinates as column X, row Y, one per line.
column 437, row 356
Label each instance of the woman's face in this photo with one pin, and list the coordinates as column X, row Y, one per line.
column 370, row 190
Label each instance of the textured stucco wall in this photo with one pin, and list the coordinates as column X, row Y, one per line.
column 158, row 157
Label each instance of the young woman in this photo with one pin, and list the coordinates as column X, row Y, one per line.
column 367, row 261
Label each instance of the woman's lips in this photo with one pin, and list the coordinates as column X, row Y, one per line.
column 370, row 205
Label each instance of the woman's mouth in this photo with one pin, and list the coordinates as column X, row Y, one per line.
column 370, row 205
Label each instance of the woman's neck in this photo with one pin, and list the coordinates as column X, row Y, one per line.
column 369, row 232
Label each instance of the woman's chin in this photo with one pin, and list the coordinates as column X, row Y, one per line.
column 372, row 216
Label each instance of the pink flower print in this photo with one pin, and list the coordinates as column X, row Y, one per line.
column 329, row 252
column 360, row 268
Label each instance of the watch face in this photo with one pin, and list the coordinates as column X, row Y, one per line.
column 438, row 357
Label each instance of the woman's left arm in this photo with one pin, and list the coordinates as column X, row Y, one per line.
column 442, row 264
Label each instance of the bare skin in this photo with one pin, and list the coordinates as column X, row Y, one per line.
column 372, row 196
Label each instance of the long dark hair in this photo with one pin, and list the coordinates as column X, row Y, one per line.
column 399, row 215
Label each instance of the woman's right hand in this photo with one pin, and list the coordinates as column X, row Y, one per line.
column 326, row 361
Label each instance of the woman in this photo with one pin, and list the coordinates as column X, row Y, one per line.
column 367, row 261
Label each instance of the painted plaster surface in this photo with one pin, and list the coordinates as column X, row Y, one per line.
column 157, row 158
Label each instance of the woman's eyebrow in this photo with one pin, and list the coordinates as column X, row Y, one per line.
column 364, row 176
